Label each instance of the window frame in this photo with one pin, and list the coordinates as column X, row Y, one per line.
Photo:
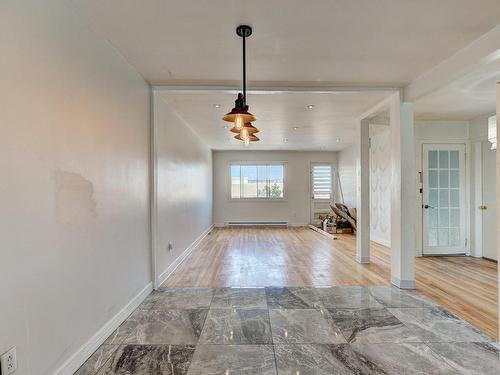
column 256, row 163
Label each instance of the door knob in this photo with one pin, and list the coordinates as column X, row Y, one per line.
column 483, row 207
column 427, row 206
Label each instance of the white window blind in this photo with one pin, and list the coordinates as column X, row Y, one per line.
column 322, row 181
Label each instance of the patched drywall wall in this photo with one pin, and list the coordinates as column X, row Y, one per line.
column 74, row 183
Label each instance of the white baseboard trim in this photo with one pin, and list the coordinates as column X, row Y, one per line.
column 380, row 241
column 298, row 225
column 321, row 231
column 403, row 284
column 173, row 266
column 363, row 259
column 74, row 362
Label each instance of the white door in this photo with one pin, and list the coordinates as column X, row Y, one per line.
column 488, row 207
column 321, row 190
column 443, row 199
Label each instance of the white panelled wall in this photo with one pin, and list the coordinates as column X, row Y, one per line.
column 380, row 185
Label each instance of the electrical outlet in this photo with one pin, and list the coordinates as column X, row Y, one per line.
column 8, row 362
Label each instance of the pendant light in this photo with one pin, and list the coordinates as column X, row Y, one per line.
column 239, row 115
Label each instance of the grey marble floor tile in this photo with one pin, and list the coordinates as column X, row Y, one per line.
column 393, row 297
column 398, row 359
column 346, row 297
column 179, row 298
column 119, row 334
column 96, row 360
column 292, row 298
column 232, row 326
column 240, row 298
column 438, row 325
column 149, row 360
column 371, row 326
column 471, row 358
column 304, row 326
column 321, row 359
column 165, row 326
column 233, row 360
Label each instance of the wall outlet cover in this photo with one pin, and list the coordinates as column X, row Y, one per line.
column 8, row 362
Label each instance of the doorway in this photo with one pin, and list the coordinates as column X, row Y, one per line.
column 321, row 191
column 444, row 207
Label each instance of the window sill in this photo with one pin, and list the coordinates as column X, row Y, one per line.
column 250, row 200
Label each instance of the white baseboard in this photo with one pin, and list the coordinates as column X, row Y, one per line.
column 403, row 284
column 86, row 350
column 363, row 259
column 383, row 242
column 173, row 266
column 321, row 231
column 298, row 225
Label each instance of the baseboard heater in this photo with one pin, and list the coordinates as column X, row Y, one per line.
column 257, row 223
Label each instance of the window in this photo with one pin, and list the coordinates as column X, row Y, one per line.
column 262, row 181
column 322, row 181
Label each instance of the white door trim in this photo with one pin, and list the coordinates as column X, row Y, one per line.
column 462, row 148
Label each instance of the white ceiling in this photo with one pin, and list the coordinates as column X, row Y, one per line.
column 355, row 42
column 330, row 125
column 466, row 98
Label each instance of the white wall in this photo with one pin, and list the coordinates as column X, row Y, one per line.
column 184, row 175
column 296, row 207
column 346, row 164
column 478, row 132
column 380, row 184
column 74, row 183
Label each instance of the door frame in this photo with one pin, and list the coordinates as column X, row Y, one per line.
column 333, row 196
column 420, row 184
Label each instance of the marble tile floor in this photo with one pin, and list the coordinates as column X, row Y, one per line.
column 292, row 331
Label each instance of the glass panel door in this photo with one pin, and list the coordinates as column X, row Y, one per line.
column 443, row 199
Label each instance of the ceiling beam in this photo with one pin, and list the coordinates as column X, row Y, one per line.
column 271, row 90
column 480, row 52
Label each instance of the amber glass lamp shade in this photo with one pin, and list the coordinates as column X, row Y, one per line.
column 251, row 138
column 250, row 129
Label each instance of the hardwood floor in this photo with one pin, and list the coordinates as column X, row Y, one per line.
column 301, row 257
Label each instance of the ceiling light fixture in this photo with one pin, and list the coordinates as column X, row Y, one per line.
column 239, row 115
column 295, row 128
column 310, row 106
column 216, row 105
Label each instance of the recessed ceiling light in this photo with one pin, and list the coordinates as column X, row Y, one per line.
column 310, row 106
column 295, row 128
column 217, row 105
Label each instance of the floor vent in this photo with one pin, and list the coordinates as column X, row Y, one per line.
column 257, row 223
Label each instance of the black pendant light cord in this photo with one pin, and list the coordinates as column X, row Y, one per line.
column 244, row 71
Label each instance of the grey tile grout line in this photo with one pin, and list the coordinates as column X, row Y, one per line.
column 272, row 335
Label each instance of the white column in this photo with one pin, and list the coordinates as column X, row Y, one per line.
column 403, row 195
column 363, row 193
column 498, row 186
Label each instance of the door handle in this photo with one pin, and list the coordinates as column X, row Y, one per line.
column 427, row 206
column 483, row 207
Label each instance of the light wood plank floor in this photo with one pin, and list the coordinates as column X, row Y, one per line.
column 301, row 257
